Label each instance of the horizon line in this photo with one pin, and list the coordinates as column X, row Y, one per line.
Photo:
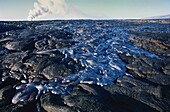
column 71, row 19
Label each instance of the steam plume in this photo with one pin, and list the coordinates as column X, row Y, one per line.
column 60, row 7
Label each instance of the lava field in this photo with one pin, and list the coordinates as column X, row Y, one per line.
column 85, row 66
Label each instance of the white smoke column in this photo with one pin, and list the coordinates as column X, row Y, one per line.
column 60, row 7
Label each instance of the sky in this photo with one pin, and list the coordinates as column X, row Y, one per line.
column 83, row 9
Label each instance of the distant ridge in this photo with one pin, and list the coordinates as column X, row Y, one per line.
column 159, row 17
